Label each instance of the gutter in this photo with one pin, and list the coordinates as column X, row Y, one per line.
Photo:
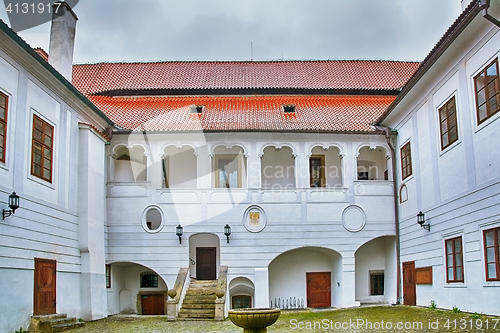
column 485, row 4
column 388, row 133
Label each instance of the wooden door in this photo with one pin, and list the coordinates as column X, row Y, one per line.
column 206, row 264
column 319, row 289
column 45, row 287
column 409, row 289
column 153, row 304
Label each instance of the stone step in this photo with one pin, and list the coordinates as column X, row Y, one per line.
column 203, row 294
column 196, row 315
column 195, row 319
column 198, row 306
column 67, row 326
column 50, row 316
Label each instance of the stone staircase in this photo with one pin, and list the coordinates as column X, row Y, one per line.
column 53, row 323
column 199, row 302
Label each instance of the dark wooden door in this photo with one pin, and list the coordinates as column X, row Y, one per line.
column 45, row 287
column 153, row 304
column 206, row 264
column 409, row 289
column 319, row 289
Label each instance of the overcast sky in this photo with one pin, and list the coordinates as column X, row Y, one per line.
column 152, row 30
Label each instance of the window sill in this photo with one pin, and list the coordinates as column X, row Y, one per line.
column 455, row 285
column 450, row 147
column 42, row 182
column 491, row 284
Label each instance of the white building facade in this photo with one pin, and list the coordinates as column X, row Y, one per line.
column 447, row 118
column 52, row 156
column 339, row 229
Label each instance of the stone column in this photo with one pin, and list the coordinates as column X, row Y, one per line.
column 348, row 280
column 91, row 218
column 261, row 287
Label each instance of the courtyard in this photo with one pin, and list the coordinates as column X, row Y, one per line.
column 365, row 319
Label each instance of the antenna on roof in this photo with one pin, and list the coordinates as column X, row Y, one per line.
column 251, row 51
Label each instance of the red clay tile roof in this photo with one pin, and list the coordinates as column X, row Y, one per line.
column 230, row 113
column 41, row 52
column 335, row 74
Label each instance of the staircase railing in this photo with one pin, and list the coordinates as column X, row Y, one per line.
column 220, row 301
column 176, row 294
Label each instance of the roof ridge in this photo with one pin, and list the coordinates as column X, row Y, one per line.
column 245, row 61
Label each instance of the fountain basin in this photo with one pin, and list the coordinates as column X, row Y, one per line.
column 254, row 320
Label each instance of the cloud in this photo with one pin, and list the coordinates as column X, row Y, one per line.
column 146, row 30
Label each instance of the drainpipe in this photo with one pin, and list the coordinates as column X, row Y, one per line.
column 484, row 5
column 388, row 136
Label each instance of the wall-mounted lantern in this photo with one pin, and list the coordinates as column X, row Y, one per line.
column 421, row 221
column 179, row 232
column 227, row 232
column 13, row 205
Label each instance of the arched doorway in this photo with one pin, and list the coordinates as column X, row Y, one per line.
column 204, row 256
column 241, row 293
column 308, row 276
column 376, row 271
column 135, row 289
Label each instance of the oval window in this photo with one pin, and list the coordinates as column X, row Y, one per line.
column 152, row 219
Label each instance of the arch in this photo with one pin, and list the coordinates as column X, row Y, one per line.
column 375, row 270
column 287, row 273
column 203, row 241
column 373, row 146
column 125, row 293
column 179, row 166
column 278, row 145
column 278, row 168
column 241, row 286
column 179, row 145
column 118, row 146
column 229, row 166
column 372, row 162
column 325, row 166
column 129, row 163
column 325, row 146
column 228, row 145
column 403, row 194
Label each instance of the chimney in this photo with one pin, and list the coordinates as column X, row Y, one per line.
column 62, row 38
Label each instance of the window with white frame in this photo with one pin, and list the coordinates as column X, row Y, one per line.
column 492, row 254
column 4, row 102
column 448, row 123
column 486, row 86
column 454, row 260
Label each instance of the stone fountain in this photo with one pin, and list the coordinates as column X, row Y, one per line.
column 254, row 320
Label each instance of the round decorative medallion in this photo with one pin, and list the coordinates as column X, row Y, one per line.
column 254, row 219
column 353, row 218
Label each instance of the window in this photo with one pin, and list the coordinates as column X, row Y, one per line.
column 487, row 89
column 454, row 260
column 492, row 254
column 196, row 109
column 376, row 284
column 241, row 302
column 108, row 276
column 317, row 171
column 149, row 280
column 227, row 172
column 290, row 108
column 406, row 161
column 42, row 140
column 4, row 101
column 448, row 123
